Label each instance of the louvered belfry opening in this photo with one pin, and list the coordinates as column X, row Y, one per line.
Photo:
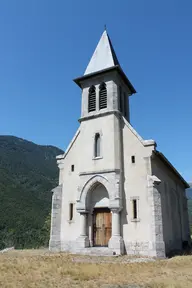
column 92, row 99
column 102, row 96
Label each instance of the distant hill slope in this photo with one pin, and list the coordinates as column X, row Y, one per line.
column 28, row 172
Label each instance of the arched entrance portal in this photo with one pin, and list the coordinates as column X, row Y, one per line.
column 99, row 206
column 101, row 220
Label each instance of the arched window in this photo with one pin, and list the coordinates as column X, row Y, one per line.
column 92, row 99
column 97, row 147
column 102, row 96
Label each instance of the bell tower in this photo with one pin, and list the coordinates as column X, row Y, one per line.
column 105, row 87
column 105, row 101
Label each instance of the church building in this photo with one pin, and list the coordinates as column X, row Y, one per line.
column 117, row 194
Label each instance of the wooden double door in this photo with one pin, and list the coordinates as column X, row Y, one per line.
column 101, row 226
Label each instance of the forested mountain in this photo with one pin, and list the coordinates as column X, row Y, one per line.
column 28, row 172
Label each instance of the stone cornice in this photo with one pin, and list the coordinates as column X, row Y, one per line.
column 117, row 68
column 100, row 172
column 94, row 116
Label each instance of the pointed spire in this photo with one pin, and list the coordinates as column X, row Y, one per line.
column 103, row 57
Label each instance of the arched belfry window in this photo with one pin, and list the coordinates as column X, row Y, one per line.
column 92, row 99
column 102, row 96
column 97, row 144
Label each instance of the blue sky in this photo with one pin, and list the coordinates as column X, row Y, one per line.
column 45, row 44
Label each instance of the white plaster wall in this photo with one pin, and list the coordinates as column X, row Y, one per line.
column 175, row 224
column 135, row 185
column 70, row 229
column 81, row 156
column 104, row 126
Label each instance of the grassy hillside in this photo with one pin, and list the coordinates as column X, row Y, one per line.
column 28, row 172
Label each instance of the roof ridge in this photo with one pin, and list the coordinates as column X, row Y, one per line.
column 103, row 57
column 116, row 61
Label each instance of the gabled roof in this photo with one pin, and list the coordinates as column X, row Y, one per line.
column 104, row 60
column 171, row 167
column 103, row 57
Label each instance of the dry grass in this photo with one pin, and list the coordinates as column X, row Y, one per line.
column 38, row 268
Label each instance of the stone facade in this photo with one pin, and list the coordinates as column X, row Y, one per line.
column 130, row 178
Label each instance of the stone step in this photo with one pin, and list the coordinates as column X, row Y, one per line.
column 94, row 251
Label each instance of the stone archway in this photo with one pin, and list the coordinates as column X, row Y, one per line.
column 100, row 217
column 85, row 208
column 98, row 197
column 83, row 200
